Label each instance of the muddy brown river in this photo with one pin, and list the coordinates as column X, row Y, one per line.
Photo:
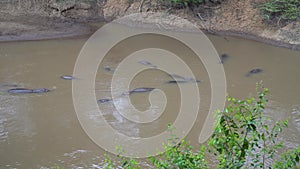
column 42, row 130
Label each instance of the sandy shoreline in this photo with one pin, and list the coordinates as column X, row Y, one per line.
column 77, row 30
column 30, row 27
column 72, row 29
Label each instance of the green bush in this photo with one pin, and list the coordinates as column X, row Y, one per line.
column 242, row 132
column 290, row 159
column 125, row 162
column 281, row 9
column 181, row 156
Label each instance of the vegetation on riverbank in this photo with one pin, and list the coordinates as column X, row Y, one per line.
column 243, row 138
column 273, row 10
column 281, row 9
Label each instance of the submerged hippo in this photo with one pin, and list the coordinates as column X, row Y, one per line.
column 175, row 76
column 182, row 81
column 24, row 90
column 104, row 100
column 139, row 90
column 147, row 63
column 254, row 71
column 224, row 57
column 136, row 90
column 108, row 69
column 142, row 89
column 67, row 77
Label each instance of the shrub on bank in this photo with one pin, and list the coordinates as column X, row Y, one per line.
column 243, row 138
column 272, row 10
column 281, row 9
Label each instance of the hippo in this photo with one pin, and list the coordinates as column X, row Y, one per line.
column 224, row 57
column 143, row 89
column 104, row 100
column 139, row 90
column 182, row 81
column 24, row 90
column 147, row 63
column 136, row 90
column 254, row 71
column 67, row 77
column 175, row 76
column 108, row 69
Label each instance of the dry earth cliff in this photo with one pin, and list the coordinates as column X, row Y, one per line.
column 43, row 19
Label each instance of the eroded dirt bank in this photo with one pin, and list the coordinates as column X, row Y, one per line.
column 42, row 19
column 47, row 19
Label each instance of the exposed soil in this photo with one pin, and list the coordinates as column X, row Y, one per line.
column 34, row 27
column 234, row 18
column 45, row 19
column 29, row 20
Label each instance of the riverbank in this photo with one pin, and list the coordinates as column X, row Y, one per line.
column 33, row 27
column 47, row 19
column 69, row 18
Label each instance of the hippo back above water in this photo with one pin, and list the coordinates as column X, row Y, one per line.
column 24, row 90
column 254, row 71
column 182, row 81
column 67, row 77
column 136, row 90
column 139, row 90
column 224, row 57
column 104, row 100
